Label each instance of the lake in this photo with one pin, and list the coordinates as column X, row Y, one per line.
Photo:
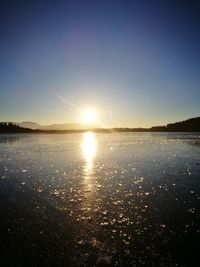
column 111, row 199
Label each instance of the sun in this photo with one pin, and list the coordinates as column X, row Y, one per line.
column 89, row 116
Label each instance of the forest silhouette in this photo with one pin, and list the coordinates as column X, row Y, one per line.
column 190, row 125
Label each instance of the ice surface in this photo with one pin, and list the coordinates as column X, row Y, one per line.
column 130, row 198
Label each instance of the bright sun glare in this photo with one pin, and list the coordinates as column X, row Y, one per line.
column 89, row 116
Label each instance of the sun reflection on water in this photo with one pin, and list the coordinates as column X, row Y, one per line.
column 89, row 145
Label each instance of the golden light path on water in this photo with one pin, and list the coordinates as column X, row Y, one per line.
column 89, row 145
column 89, row 149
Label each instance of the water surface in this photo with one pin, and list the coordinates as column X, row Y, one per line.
column 120, row 199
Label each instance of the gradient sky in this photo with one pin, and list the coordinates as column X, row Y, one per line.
column 136, row 62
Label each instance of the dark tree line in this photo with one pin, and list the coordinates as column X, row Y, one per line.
column 188, row 125
column 9, row 127
column 191, row 125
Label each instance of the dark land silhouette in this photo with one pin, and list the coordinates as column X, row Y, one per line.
column 190, row 125
column 9, row 127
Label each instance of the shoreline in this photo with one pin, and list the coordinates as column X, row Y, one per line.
column 99, row 130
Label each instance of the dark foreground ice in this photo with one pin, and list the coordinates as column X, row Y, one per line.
column 121, row 199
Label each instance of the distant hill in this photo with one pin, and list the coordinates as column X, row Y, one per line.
column 64, row 126
column 29, row 124
column 187, row 125
column 190, row 125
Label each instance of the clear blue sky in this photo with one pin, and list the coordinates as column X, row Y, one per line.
column 136, row 62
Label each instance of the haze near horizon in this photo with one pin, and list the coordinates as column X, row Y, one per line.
column 131, row 63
